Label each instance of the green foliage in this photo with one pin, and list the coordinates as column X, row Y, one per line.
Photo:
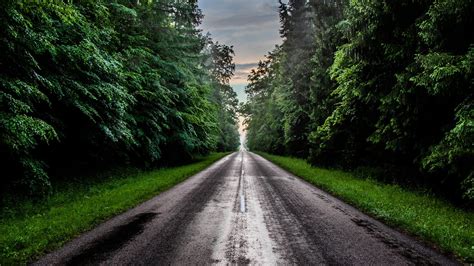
column 30, row 228
column 378, row 84
column 453, row 156
column 103, row 83
column 222, row 69
column 264, row 109
column 417, row 212
column 281, row 112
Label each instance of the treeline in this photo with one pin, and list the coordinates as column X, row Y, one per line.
column 95, row 84
column 381, row 87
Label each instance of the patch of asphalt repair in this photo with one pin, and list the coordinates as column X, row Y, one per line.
column 244, row 210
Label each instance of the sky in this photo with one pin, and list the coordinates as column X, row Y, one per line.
column 250, row 26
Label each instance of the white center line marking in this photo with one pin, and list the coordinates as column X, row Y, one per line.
column 241, row 190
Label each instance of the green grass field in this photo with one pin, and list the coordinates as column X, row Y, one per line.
column 29, row 229
column 422, row 215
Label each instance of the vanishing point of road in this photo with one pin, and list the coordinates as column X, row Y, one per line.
column 244, row 210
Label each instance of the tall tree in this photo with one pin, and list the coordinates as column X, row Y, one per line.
column 390, row 87
column 297, row 49
column 263, row 110
column 98, row 84
column 222, row 69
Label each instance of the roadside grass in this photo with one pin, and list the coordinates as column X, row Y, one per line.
column 420, row 214
column 28, row 229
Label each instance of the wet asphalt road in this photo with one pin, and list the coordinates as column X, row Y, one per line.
column 244, row 210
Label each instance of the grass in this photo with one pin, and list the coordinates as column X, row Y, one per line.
column 29, row 229
column 423, row 215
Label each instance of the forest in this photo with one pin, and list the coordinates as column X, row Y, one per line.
column 90, row 85
column 382, row 88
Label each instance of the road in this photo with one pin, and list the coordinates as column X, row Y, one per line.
column 244, row 210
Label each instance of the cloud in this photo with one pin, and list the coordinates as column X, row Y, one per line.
column 241, row 72
column 252, row 27
column 246, row 66
column 242, row 21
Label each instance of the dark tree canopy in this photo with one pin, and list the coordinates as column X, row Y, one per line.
column 385, row 85
column 90, row 84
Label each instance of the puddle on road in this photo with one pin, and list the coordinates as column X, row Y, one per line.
column 112, row 241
